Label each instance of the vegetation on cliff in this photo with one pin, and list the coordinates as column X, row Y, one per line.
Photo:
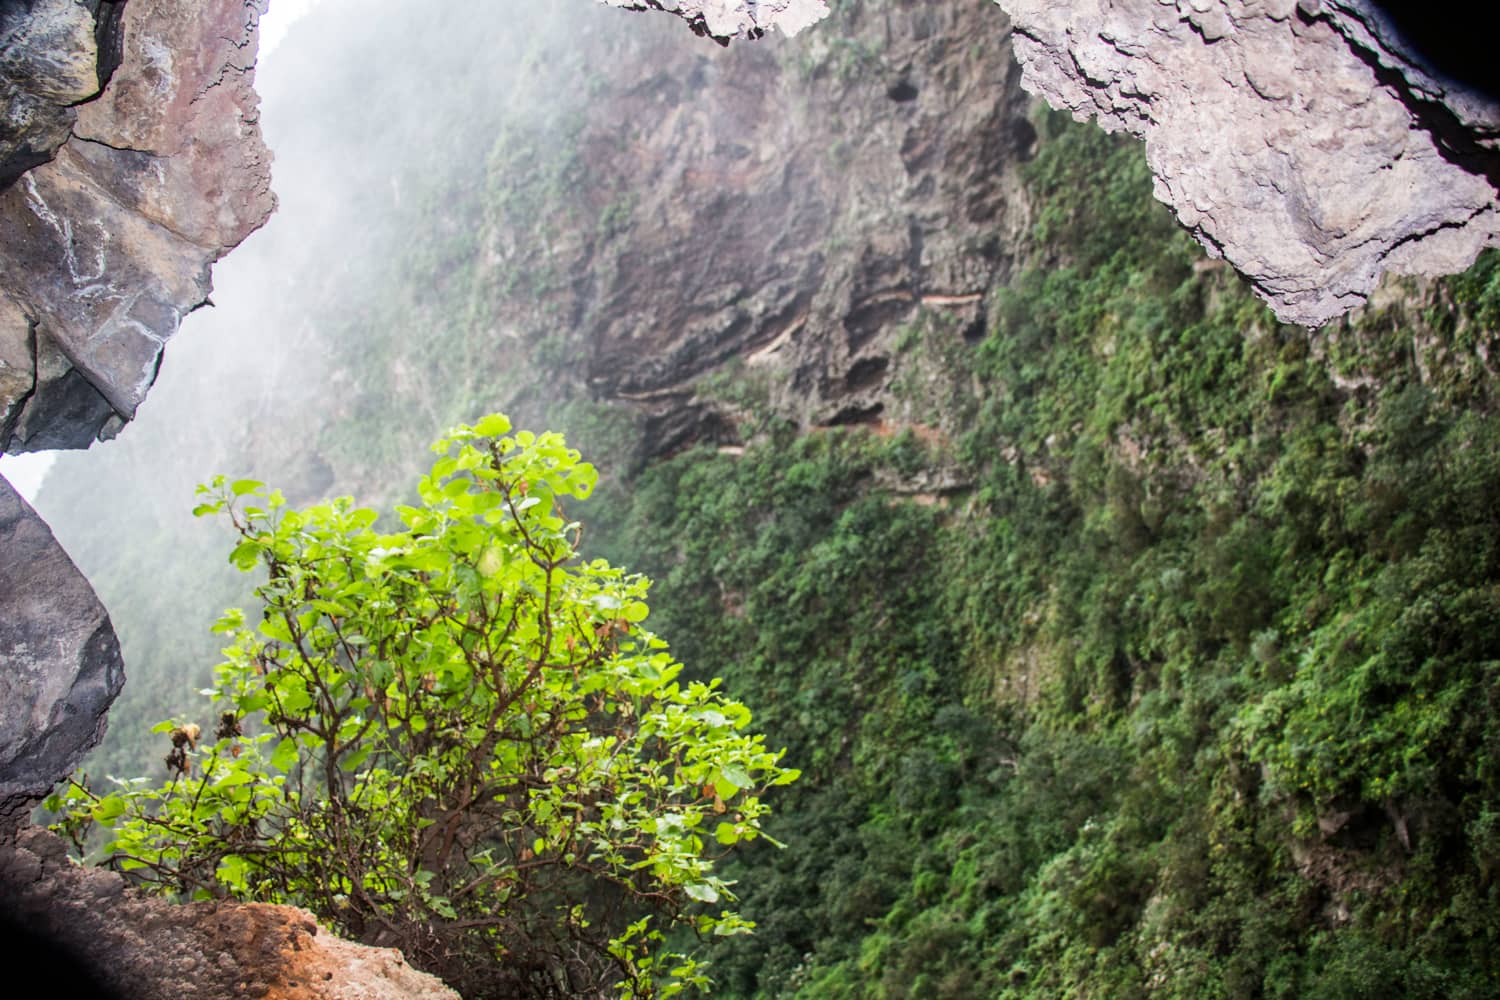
column 1139, row 646
column 1191, row 693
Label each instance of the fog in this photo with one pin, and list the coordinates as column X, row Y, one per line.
column 338, row 340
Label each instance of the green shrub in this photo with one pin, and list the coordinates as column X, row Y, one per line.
column 455, row 737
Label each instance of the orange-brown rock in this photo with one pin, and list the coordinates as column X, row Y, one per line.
column 116, row 941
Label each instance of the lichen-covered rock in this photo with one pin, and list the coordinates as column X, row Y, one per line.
column 49, row 62
column 723, row 20
column 60, row 662
column 1299, row 140
column 17, row 363
column 106, row 247
column 143, row 948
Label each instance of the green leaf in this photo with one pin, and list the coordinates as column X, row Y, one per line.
column 108, row 809
column 737, row 776
column 285, row 754
column 242, row 486
column 702, row 892
column 352, row 762
column 245, row 555
column 493, row 425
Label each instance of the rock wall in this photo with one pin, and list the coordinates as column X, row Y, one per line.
column 107, row 245
column 1302, row 140
column 793, row 207
column 60, row 662
column 111, row 940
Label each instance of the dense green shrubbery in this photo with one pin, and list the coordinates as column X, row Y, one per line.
column 1194, row 693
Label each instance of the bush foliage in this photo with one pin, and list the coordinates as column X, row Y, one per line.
column 457, row 738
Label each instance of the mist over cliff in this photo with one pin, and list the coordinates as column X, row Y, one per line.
column 520, row 209
column 282, row 375
column 1131, row 641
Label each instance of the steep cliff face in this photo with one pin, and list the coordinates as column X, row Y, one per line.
column 790, row 209
column 1308, row 143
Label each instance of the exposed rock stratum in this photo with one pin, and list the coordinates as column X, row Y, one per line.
column 1302, row 140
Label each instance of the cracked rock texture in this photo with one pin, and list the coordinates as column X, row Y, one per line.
column 134, row 946
column 724, row 20
column 107, row 245
column 796, row 207
column 60, row 662
column 1302, row 140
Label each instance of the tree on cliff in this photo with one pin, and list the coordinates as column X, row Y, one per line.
column 456, row 739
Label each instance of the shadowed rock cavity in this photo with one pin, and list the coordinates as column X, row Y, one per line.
column 1305, row 141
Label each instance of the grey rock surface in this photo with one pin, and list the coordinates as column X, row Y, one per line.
column 107, row 246
column 49, row 62
column 724, row 20
column 1301, row 141
column 144, row 948
column 60, row 662
column 778, row 206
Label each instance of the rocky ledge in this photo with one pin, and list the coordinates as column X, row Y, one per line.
column 723, row 20
column 106, row 244
column 113, row 941
column 1305, row 141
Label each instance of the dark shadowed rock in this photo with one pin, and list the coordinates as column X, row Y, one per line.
column 59, row 660
column 1302, row 140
